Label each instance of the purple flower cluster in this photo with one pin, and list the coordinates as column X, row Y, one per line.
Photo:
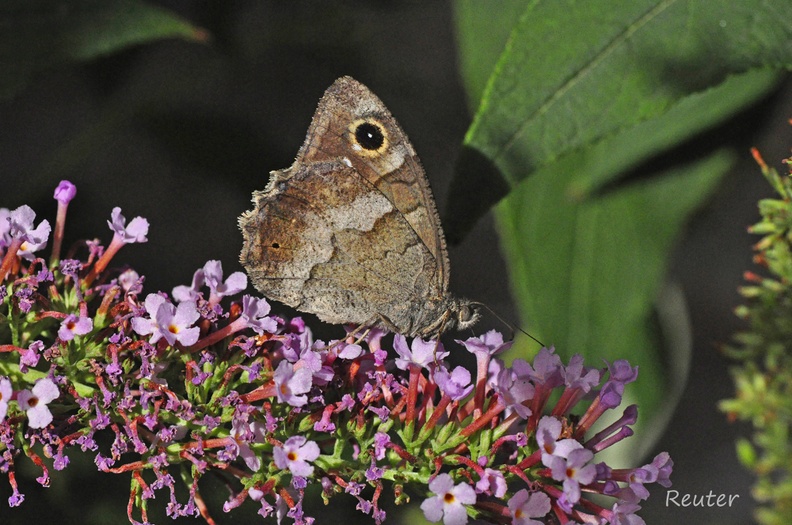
column 182, row 379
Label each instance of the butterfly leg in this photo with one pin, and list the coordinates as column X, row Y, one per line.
column 386, row 323
column 376, row 320
column 353, row 338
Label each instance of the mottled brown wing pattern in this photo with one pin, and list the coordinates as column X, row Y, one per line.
column 354, row 258
column 346, row 113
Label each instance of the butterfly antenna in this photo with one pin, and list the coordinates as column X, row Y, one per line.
column 511, row 327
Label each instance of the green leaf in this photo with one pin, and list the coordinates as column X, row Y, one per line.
column 36, row 35
column 573, row 73
column 746, row 453
column 483, row 28
column 611, row 157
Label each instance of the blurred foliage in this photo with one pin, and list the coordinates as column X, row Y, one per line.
column 582, row 111
column 763, row 378
column 36, row 35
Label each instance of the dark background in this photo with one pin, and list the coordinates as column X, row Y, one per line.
column 181, row 133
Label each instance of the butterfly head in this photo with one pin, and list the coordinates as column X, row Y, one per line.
column 464, row 313
column 448, row 314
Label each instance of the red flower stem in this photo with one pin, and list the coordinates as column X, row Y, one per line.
column 228, row 330
column 259, row 393
column 495, row 511
column 412, row 393
column 482, row 367
column 57, row 238
column 470, row 464
column 530, row 461
column 203, row 509
column 438, row 413
column 286, row 497
column 479, row 423
column 131, row 507
column 402, row 453
column 104, row 260
column 135, row 465
column 519, row 473
column 593, row 413
column 107, row 301
column 10, row 258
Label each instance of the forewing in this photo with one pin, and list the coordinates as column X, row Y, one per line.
column 394, row 169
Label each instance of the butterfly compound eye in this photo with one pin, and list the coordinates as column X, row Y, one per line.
column 467, row 315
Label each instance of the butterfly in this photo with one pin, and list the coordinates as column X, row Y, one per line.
column 350, row 232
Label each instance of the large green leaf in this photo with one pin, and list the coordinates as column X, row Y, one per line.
column 39, row 34
column 548, row 244
column 574, row 72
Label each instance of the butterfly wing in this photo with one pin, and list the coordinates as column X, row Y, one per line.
column 352, row 124
column 324, row 240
